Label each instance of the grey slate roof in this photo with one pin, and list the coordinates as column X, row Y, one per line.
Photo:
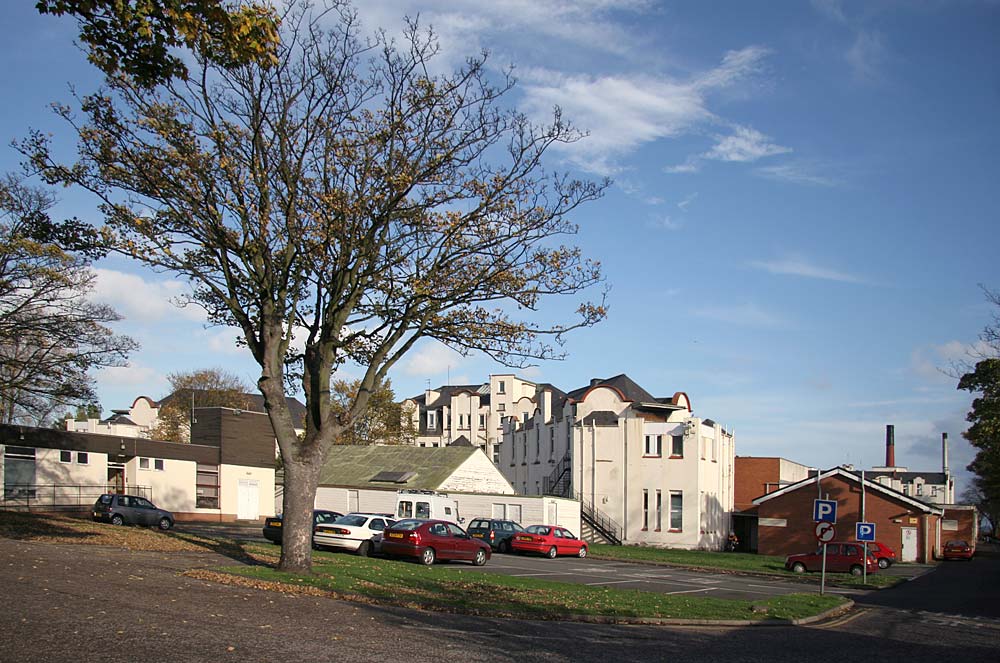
column 601, row 418
column 349, row 465
column 623, row 383
column 461, row 441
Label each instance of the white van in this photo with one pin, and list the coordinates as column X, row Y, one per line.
column 426, row 505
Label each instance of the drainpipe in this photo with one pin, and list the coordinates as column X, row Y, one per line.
column 625, row 488
column 593, row 464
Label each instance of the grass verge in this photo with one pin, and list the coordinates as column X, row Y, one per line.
column 452, row 589
column 738, row 562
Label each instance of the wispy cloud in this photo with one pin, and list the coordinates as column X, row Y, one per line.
column 867, row 55
column 684, row 204
column 796, row 173
column 797, row 266
column 623, row 112
column 665, row 222
column 747, row 314
column 744, row 144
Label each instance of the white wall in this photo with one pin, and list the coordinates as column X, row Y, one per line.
column 479, row 474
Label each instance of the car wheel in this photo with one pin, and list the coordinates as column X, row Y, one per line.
column 164, row 523
column 883, row 563
column 480, row 558
column 799, row 567
column 117, row 520
column 856, row 570
column 552, row 552
column 365, row 549
column 504, row 546
column 583, row 551
column 427, row 556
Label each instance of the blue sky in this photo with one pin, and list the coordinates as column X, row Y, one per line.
column 802, row 210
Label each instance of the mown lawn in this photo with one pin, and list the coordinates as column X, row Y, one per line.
column 452, row 589
column 745, row 562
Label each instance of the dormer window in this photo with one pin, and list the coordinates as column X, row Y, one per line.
column 432, row 419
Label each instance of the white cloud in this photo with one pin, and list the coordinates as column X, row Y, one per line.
column 940, row 363
column 832, row 9
column 796, row 173
column 684, row 204
column 748, row 314
column 432, row 358
column 744, row 144
column 224, row 340
column 795, row 266
column 623, row 112
column 146, row 378
column 141, row 300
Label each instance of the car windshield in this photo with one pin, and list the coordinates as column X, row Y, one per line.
column 538, row 529
column 957, row 543
column 353, row 521
column 408, row 524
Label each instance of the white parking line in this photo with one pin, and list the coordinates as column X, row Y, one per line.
column 691, row 591
column 610, row 582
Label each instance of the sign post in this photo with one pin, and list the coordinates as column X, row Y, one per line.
column 865, row 532
column 825, row 515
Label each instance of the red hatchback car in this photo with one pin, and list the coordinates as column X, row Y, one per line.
column 430, row 540
column 548, row 540
column 885, row 555
column 958, row 549
column 841, row 557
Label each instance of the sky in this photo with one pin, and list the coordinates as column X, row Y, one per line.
column 802, row 211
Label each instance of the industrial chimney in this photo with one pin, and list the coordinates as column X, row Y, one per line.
column 944, row 453
column 890, row 446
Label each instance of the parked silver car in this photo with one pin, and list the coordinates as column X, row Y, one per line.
column 131, row 510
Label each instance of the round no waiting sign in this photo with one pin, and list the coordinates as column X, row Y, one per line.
column 825, row 532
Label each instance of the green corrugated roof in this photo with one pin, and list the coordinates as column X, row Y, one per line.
column 356, row 465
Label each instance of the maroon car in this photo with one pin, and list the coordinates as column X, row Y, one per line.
column 430, row 540
column 958, row 549
column 841, row 557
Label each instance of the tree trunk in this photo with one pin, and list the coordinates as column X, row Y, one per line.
column 301, row 480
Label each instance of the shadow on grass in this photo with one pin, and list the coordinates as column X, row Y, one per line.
column 22, row 526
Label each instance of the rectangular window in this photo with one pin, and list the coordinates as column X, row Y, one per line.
column 552, row 442
column 501, row 407
column 82, row 458
column 677, row 446
column 501, row 389
column 653, row 445
column 65, row 456
column 19, row 472
column 659, row 510
column 714, row 445
column 676, row 511
column 143, row 463
column 157, row 464
column 431, row 419
column 645, row 508
column 920, row 489
column 207, row 486
column 538, row 450
column 482, row 421
column 704, row 448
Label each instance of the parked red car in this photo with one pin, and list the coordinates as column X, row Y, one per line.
column 548, row 540
column 430, row 540
column 885, row 555
column 841, row 557
column 957, row 549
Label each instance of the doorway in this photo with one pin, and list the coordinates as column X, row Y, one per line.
column 909, row 552
column 248, row 500
column 116, row 478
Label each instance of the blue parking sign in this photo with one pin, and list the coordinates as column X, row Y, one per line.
column 825, row 511
column 865, row 532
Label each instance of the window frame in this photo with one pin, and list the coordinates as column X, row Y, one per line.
column 677, row 511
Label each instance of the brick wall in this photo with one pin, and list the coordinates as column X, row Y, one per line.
column 889, row 515
column 751, row 477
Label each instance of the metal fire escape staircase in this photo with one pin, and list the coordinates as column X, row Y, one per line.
column 560, row 484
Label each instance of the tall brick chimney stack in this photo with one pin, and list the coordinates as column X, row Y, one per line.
column 890, row 446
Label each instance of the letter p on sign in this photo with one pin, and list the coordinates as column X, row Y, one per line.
column 825, row 511
column 865, row 532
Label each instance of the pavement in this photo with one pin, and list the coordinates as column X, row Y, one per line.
column 97, row 603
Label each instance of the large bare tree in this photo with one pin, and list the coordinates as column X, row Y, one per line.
column 345, row 198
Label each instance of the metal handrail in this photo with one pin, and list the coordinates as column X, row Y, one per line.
column 62, row 496
column 604, row 523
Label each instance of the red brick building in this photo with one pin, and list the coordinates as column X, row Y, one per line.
column 754, row 476
column 907, row 525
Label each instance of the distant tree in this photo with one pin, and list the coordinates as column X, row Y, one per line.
column 337, row 208
column 382, row 423
column 984, row 433
column 51, row 335
column 210, row 387
column 135, row 37
column 988, row 506
column 88, row 411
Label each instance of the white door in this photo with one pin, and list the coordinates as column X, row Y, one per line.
column 500, row 511
column 553, row 514
column 352, row 501
column 514, row 512
column 909, row 553
column 248, row 500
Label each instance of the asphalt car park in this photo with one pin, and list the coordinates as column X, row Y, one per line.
column 665, row 580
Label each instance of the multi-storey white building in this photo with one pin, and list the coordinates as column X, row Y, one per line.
column 470, row 413
column 645, row 469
